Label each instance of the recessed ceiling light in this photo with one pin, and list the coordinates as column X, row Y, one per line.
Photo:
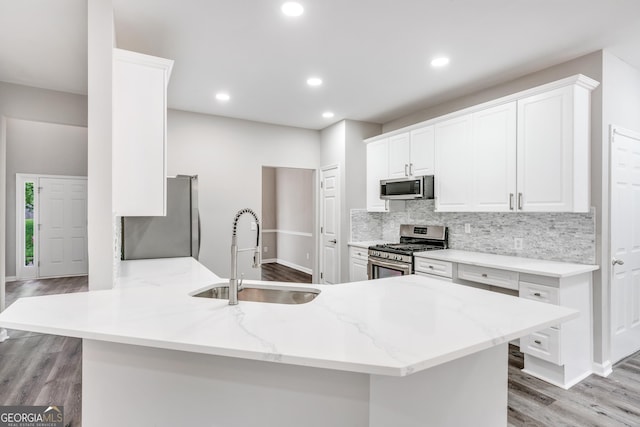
column 441, row 61
column 327, row 114
column 314, row 81
column 222, row 96
column 292, row 8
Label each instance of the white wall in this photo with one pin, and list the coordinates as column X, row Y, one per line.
column 101, row 223
column 621, row 107
column 228, row 155
column 39, row 148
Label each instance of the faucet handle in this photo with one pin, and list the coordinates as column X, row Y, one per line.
column 256, row 257
column 240, row 282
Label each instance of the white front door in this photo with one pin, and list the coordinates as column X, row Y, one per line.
column 330, row 226
column 63, row 227
column 625, row 243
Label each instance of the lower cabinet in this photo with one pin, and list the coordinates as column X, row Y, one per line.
column 560, row 354
column 358, row 260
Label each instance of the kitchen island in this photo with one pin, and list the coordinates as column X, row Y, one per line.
column 406, row 351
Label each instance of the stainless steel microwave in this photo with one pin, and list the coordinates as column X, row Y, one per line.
column 419, row 187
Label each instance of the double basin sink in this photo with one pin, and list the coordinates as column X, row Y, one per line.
column 263, row 293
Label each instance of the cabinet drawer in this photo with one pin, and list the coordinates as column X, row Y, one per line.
column 540, row 293
column 489, row 276
column 430, row 266
column 543, row 344
column 358, row 253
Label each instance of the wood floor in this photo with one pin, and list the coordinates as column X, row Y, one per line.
column 274, row 272
column 39, row 369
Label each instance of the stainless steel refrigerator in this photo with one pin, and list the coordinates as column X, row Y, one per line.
column 175, row 235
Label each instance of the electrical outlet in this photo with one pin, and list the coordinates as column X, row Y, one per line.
column 265, row 249
column 467, row 228
column 517, row 243
column 254, row 226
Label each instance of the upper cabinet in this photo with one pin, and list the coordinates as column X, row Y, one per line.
column 525, row 152
column 377, row 169
column 412, row 153
column 553, row 151
column 476, row 161
column 139, row 133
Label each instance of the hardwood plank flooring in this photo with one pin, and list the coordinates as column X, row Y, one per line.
column 274, row 272
column 40, row 369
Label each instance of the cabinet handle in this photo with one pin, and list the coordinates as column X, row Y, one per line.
column 537, row 294
column 510, row 201
column 520, row 201
column 405, row 169
column 410, row 168
column 386, row 205
column 431, row 267
column 538, row 342
column 484, row 274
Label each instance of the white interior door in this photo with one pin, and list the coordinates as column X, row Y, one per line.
column 625, row 243
column 330, row 226
column 63, row 227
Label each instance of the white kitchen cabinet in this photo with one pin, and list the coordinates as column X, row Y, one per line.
column 399, row 155
column 493, row 177
column 139, row 133
column 422, row 151
column 358, row 261
column 377, row 169
column 553, row 151
column 560, row 354
column 453, row 162
column 412, row 153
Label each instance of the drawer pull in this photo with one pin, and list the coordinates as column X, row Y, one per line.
column 484, row 274
column 538, row 342
column 537, row 294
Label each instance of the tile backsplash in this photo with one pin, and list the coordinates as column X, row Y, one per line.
column 568, row 237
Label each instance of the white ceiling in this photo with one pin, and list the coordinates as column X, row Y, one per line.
column 373, row 55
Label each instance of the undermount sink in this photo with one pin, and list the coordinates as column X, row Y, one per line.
column 263, row 293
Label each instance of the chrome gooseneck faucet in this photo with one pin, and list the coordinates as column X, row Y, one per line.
column 234, row 285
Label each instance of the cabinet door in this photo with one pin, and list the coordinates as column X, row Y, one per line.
column 139, row 134
column 454, row 160
column 399, row 154
column 545, row 156
column 494, row 159
column 422, row 152
column 358, row 270
column 377, row 169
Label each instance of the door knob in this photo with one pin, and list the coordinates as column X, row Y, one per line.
column 617, row 261
column 334, row 241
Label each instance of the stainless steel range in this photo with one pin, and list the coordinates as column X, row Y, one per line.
column 396, row 259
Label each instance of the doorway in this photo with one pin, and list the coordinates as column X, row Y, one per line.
column 288, row 216
column 51, row 226
column 625, row 243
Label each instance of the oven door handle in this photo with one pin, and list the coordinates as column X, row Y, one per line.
column 406, row 268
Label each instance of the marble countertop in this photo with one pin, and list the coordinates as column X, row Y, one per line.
column 521, row 265
column 393, row 326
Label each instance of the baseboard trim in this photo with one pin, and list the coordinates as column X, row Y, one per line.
column 602, row 369
column 10, row 279
column 294, row 266
column 269, row 261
